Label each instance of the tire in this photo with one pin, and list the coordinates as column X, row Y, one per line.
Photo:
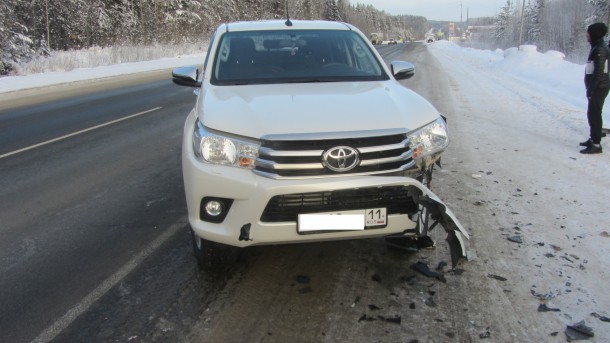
column 201, row 250
column 212, row 256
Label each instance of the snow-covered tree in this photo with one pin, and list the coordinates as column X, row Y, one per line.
column 534, row 16
column 504, row 23
column 331, row 11
column 601, row 13
column 15, row 42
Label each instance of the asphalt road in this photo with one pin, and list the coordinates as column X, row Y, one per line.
column 75, row 211
column 95, row 245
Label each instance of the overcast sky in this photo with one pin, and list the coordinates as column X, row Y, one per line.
column 446, row 10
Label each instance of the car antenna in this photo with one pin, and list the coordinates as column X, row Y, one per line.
column 288, row 22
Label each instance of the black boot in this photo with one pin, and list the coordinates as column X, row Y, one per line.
column 592, row 149
column 587, row 143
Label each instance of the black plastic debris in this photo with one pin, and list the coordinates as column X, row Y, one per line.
column 554, row 333
column 376, row 278
column 430, row 302
column 412, row 306
column 549, row 255
column 394, row 320
column 374, row 307
column 457, row 271
column 578, row 331
column 600, row 317
column 423, row 269
column 485, row 334
column 497, row 277
column 515, row 239
column 545, row 308
column 366, row 318
column 441, row 265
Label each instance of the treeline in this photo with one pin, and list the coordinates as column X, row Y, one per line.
column 549, row 24
column 37, row 27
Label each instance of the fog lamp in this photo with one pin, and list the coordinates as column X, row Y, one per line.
column 213, row 208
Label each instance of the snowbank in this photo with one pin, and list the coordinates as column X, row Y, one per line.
column 561, row 79
column 14, row 83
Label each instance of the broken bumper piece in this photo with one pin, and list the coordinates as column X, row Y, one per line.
column 264, row 211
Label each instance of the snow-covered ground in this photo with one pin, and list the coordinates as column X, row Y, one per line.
column 517, row 117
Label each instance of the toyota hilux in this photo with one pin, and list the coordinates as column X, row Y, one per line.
column 301, row 133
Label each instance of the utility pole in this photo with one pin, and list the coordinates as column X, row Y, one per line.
column 461, row 24
column 46, row 9
column 522, row 17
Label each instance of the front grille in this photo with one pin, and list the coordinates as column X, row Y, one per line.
column 303, row 158
column 286, row 208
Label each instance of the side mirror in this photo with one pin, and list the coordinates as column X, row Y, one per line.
column 402, row 70
column 186, row 76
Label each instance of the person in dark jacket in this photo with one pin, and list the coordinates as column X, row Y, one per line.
column 597, row 83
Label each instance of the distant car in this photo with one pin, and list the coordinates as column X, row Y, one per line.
column 302, row 133
column 392, row 41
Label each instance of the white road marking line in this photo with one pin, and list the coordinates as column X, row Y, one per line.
column 77, row 133
column 56, row 328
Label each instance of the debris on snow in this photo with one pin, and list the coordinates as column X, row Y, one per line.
column 423, row 268
column 600, row 317
column 357, row 300
column 366, row 318
column 476, row 176
column 485, row 334
column 376, row 278
column 373, row 307
column 578, row 331
column 430, row 302
column 516, row 239
column 545, row 308
column 395, row 320
column 497, row 277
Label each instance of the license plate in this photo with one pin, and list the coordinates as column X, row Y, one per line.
column 342, row 221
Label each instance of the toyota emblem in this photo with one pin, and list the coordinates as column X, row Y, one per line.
column 340, row 159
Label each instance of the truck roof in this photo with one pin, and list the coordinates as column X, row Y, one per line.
column 281, row 25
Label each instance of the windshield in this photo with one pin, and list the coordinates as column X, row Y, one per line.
column 256, row 57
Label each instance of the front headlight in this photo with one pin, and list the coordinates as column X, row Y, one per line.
column 216, row 149
column 430, row 139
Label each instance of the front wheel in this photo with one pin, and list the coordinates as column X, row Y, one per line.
column 211, row 256
column 201, row 250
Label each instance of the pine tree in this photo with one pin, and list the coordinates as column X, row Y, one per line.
column 602, row 11
column 15, row 42
column 332, row 11
column 504, row 23
column 536, row 13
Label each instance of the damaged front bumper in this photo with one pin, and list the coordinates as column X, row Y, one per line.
column 262, row 211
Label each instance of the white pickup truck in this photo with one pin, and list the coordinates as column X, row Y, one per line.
column 301, row 133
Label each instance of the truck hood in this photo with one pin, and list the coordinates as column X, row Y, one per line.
column 259, row 110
